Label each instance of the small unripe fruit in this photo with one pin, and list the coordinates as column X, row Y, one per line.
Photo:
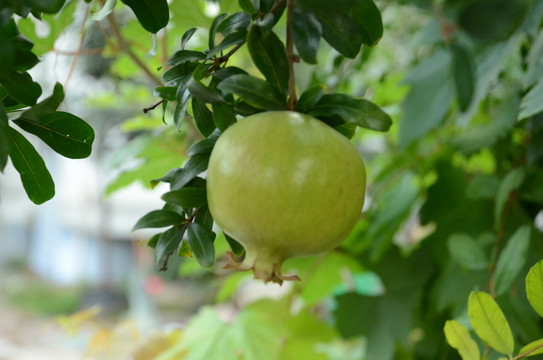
column 284, row 184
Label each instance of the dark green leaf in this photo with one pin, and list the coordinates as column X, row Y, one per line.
column 183, row 98
column 236, row 247
column 354, row 110
column 183, row 56
column 204, row 218
column 213, row 30
column 167, row 93
column 346, row 129
column 531, row 190
column 230, row 40
column 167, row 243
column 65, row 133
column 368, row 17
column 203, row 93
column 36, row 179
column 200, row 241
column 223, row 116
column 46, row 6
column 194, row 166
column 340, row 31
column 464, row 78
column 153, row 240
column 179, row 74
column 268, row 54
column 202, row 147
column 5, row 144
column 511, row 181
column 166, row 178
column 202, row 117
column 306, row 33
column 20, row 86
column 153, row 15
column 239, row 20
column 226, row 72
column 158, row 219
column 187, row 197
column 247, row 5
column 24, row 59
column 512, row 259
column 254, row 91
column 310, row 98
column 245, row 109
column 186, row 37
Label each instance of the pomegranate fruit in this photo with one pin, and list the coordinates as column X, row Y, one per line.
column 284, row 184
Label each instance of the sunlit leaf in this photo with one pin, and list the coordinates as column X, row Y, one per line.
column 534, row 287
column 490, row 323
column 533, row 348
column 459, row 338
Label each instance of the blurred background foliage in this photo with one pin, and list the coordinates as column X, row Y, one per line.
column 460, row 171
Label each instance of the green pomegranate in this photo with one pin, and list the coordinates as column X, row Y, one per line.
column 284, row 184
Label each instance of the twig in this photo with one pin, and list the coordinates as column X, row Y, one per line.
column 222, row 59
column 276, row 6
column 124, row 46
column 82, row 33
column 292, row 98
column 499, row 242
column 152, row 107
column 524, row 354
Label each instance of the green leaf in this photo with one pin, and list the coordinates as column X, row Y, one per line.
column 167, row 93
column 533, row 348
column 430, row 97
column 186, row 37
column 65, row 133
column 20, row 86
column 203, row 117
column 489, row 322
column 200, row 241
column 354, row 110
column 36, row 179
column 187, row 197
column 512, row 180
column 235, row 246
column 247, row 6
column 269, row 56
column 534, row 287
column 254, row 91
column 512, row 259
column 158, row 219
column 531, row 189
column 183, row 56
column 204, row 218
column 168, row 242
column 459, row 338
column 153, row 15
column 310, row 98
column 183, row 98
column 532, row 102
column 46, row 6
column 179, row 74
column 202, row 147
column 213, row 30
column 306, row 33
column 368, row 17
column 467, row 252
column 200, row 91
column 464, row 77
column 5, row 144
column 194, row 166
column 223, row 116
column 239, row 20
column 104, row 11
column 230, row 40
column 153, row 240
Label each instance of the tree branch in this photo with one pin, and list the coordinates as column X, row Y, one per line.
column 292, row 98
column 125, row 47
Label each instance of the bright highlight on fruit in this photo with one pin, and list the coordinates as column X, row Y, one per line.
column 284, row 184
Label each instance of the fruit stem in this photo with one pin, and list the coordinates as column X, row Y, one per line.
column 292, row 98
